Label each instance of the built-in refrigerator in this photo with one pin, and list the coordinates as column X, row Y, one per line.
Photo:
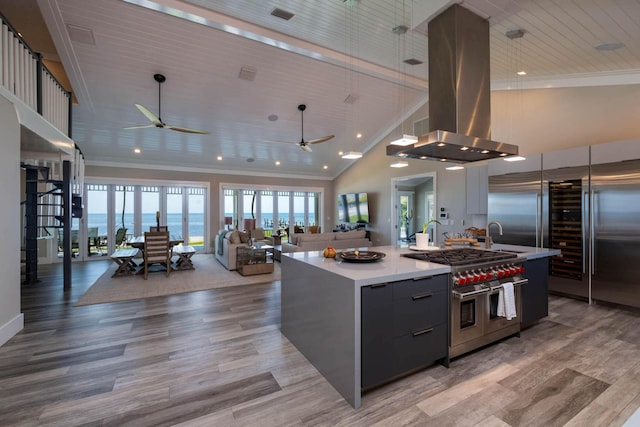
column 591, row 213
column 515, row 201
column 615, row 254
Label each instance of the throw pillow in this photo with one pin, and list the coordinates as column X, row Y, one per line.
column 244, row 237
column 233, row 237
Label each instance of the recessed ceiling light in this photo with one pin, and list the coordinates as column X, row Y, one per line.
column 514, row 159
column 464, row 148
column 405, row 140
column 137, row 150
column 325, row 167
column 219, row 157
column 399, row 164
column 358, row 135
column 340, row 153
column 485, row 152
column 521, row 73
column 441, row 144
column 351, row 155
column 455, row 168
column 277, row 162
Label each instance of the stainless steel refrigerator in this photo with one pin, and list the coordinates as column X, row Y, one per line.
column 591, row 213
column 615, row 243
column 515, row 201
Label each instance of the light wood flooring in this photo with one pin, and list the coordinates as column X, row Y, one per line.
column 217, row 358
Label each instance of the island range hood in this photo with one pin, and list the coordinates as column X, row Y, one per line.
column 459, row 93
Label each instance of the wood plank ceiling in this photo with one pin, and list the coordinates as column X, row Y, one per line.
column 330, row 49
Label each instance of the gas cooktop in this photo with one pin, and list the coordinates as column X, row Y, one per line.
column 460, row 257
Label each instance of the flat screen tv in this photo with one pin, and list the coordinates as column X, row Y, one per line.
column 353, row 208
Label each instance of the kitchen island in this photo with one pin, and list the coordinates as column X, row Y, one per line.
column 322, row 310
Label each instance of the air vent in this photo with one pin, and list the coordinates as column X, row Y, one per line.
column 412, row 61
column 351, row 99
column 247, row 73
column 81, row 34
column 400, row 29
column 282, row 14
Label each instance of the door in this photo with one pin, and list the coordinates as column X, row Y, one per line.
column 616, row 235
column 406, row 215
column 515, row 202
column 566, row 213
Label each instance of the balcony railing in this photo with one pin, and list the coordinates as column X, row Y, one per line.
column 23, row 74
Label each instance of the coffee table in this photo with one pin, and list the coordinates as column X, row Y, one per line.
column 253, row 260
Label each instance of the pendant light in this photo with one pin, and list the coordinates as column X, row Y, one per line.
column 406, row 139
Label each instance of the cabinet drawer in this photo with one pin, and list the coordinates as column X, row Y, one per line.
column 414, row 288
column 410, row 314
column 420, row 349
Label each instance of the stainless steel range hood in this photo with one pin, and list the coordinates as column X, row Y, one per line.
column 459, row 93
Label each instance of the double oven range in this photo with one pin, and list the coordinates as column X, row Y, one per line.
column 477, row 277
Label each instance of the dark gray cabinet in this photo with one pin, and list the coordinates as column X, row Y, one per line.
column 535, row 299
column 404, row 327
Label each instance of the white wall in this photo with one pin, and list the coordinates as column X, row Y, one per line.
column 538, row 121
column 11, row 320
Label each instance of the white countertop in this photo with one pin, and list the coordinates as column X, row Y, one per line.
column 394, row 267
column 391, row 268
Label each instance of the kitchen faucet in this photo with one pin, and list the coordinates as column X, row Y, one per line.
column 488, row 241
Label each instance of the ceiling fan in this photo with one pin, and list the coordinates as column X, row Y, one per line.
column 156, row 121
column 302, row 143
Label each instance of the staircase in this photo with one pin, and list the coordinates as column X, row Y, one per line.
column 46, row 208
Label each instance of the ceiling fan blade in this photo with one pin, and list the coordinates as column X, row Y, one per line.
column 319, row 140
column 154, row 119
column 139, row 127
column 187, row 130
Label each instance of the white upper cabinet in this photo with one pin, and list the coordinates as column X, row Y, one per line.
column 477, row 188
column 578, row 156
column 618, row 151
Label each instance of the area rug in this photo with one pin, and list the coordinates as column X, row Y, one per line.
column 208, row 274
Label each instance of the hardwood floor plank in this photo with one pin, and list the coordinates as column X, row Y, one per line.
column 193, row 405
column 454, row 395
column 54, row 362
column 555, row 402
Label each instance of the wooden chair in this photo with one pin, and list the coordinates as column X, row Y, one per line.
column 314, row 229
column 157, row 249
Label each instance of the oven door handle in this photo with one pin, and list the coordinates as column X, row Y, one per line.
column 515, row 283
column 465, row 295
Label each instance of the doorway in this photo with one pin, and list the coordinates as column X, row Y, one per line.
column 413, row 204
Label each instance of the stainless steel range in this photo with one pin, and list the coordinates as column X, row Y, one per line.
column 477, row 277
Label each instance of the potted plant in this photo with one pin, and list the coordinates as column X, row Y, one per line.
column 422, row 239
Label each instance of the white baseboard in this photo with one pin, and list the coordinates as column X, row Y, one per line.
column 12, row 327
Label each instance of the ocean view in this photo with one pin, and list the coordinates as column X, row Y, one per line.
column 174, row 222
